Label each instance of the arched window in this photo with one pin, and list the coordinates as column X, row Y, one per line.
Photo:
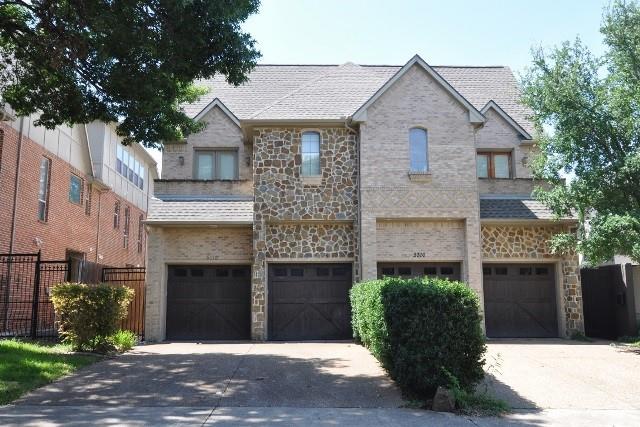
column 310, row 154
column 418, row 150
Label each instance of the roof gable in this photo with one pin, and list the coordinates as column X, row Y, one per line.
column 217, row 103
column 475, row 116
column 492, row 105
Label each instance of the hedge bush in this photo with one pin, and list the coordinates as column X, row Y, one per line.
column 89, row 315
column 423, row 331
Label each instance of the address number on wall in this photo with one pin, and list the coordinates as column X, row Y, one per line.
column 419, row 255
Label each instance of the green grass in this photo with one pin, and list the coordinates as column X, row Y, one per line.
column 480, row 404
column 28, row 365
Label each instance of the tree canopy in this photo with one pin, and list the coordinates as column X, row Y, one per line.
column 127, row 61
column 590, row 107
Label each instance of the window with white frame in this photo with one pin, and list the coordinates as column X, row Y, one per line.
column 129, row 167
column 310, row 154
column 418, row 151
column 218, row 164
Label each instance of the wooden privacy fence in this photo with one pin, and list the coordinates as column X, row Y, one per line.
column 132, row 277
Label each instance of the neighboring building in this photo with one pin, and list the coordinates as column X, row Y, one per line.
column 308, row 178
column 73, row 192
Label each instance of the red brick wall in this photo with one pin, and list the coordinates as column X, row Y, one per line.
column 68, row 227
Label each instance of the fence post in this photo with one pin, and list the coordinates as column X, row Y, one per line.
column 36, row 298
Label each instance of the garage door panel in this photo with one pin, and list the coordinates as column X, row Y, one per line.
column 208, row 303
column 309, row 301
column 520, row 301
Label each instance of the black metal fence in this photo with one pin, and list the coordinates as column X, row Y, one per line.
column 26, row 280
column 25, row 303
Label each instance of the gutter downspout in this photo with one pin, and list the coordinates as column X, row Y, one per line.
column 358, row 189
column 16, row 187
column 7, row 292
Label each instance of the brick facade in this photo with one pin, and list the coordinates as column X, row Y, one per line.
column 69, row 226
column 449, row 192
column 365, row 207
column 193, row 245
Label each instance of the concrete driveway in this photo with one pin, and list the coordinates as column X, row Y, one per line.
column 308, row 375
column 565, row 375
column 549, row 382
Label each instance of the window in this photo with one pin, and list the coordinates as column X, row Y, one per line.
column 486, row 271
column 127, row 220
column 501, row 271
column 446, row 271
column 43, row 191
column 388, row 271
column 310, row 154
column 216, row 164
column 430, row 271
column 129, row 167
column 418, row 150
column 140, row 232
column 75, row 189
column 116, row 215
column 87, row 201
column 404, row 271
column 494, row 165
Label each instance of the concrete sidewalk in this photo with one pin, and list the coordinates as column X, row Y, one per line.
column 77, row 416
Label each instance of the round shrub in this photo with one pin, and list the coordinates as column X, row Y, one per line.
column 423, row 331
column 88, row 315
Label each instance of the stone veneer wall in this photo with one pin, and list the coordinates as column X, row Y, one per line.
column 297, row 218
column 531, row 243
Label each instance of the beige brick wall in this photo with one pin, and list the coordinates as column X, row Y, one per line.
column 408, row 240
column 181, row 245
column 450, row 192
column 498, row 134
column 219, row 132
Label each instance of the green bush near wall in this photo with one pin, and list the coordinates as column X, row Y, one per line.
column 89, row 315
column 422, row 331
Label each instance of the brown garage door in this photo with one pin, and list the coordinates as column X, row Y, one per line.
column 208, row 302
column 418, row 269
column 309, row 302
column 520, row 300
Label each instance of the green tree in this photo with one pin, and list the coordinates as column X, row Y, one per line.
column 127, row 61
column 590, row 107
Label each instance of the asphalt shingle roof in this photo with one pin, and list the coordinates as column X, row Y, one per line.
column 200, row 211
column 504, row 208
column 337, row 91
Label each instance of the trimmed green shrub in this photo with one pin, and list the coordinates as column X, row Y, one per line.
column 89, row 315
column 421, row 330
column 123, row 340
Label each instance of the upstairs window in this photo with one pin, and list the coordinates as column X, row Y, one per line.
column 216, row 164
column 127, row 222
column 129, row 167
column 43, row 190
column 494, row 165
column 116, row 215
column 418, row 150
column 310, row 154
column 76, row 185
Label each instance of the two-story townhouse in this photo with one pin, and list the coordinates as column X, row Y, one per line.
column 309, row 178
column 73, row 192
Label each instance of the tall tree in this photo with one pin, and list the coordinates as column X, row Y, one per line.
column 590, row 107
column 127, row 61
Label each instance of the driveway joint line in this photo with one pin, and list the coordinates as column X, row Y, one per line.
column 227, row 382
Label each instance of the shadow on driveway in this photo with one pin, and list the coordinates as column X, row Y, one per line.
column 317, row 375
